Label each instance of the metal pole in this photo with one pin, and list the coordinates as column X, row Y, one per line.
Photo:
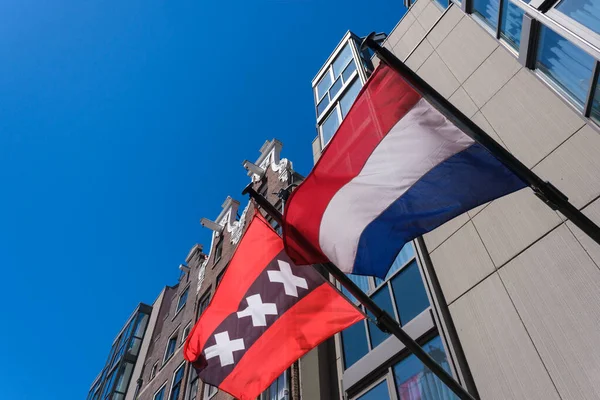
column 383, row 320
column 553, row 197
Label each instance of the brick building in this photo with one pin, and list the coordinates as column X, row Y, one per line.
column 161, row 372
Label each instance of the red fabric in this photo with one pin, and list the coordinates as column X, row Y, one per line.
column 382, row 102
column 311, row 321
column 322, row 312
column 256, row 249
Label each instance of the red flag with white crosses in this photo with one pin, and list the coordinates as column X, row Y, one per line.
column 266, row 313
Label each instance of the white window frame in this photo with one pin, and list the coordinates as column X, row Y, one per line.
column 207, row 395
column 175, row 333
column 182, row 365
column 187, row 289
column 183, row 335
column 153, row 370
column 159, row 389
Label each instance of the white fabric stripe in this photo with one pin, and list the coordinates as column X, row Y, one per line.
column 415, row 145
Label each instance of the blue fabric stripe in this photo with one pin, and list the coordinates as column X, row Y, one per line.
column 464, row 181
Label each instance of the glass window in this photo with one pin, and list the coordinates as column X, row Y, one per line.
column 596, row 104
column 565, row 64
column 349, row 96
column 134, row 346
column 219, row 249
column 171, row 346
column 511, row 23
column 182, row 299
column 586, row 12
column 203, row 304
column 383, row 299
column 349, row 71
column 379, row 392
column 361, row 281
column 160, row 395
column 277, row 390
column 354, row 343
column 406, row 254
column 153, row 370
column 409, row 293
column 209, row 391
column 487, row 10
column 140, row 327
column 193, row 379
column 330, row 126
column 176, row 387
column 342, row 60
column 124, row 377
column 322, row 105
column 109, row 384
column 186, row 332
column 414, row 381
column 323, row 85
column 335, row 88
column 443, row 3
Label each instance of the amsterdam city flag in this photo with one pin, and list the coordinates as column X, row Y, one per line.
column 265, row 314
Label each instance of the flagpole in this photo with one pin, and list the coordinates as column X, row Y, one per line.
column 383, row 320
column 546, row 191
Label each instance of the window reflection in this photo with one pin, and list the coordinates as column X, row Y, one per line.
column 342, row 60
column 354, row 343
column 586, row 12
column 409, row 293
column 383, row 299
column 379, row 392
column 596, row 104
column 488, row 11
column 511, row 23
column 348, row 98
column 565, row 64
column 361, row 281
column 330, row 126
column 414, row 381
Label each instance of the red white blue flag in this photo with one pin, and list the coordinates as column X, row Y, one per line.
column 395, row 169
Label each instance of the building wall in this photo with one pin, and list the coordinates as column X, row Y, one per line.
column 522, row 284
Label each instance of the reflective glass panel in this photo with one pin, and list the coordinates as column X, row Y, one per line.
column 414, row 381
column 349, row 96
column 596, row 104
column 511, row 23
column 322, row 105
column 487, row 10
column 384, row 300
column 335, row 88
column 443, row 3
column 124, row 376
column 407, row 253
column 171, row 347
column 323, row 85
column 182, row 299
column 409, row 293
column 141, row 323
column 160, row 395
column 349, row 71
column 361, row 281
column 354, row 343
column 134, row 346
column 342, row 60
column 379, row 392
column 586, row 12
column 330, row 126
column 565, row 64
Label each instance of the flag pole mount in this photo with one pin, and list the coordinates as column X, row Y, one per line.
column 384, row 321
column 546, row 191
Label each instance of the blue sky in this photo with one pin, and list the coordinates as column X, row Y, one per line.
column 122, row 123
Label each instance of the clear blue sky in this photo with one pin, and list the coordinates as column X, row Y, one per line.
column 122, row 123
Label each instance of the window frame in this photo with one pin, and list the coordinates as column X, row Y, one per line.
column 180, row 366
column 206, row 395
column 153, row 370
column 179, row 305
column 184, row 336
column 162, row 387
column 175, row 335
column 218, row 249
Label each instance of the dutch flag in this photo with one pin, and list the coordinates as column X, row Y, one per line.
column 395, row 169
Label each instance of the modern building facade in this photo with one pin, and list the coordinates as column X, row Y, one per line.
column 505, row 295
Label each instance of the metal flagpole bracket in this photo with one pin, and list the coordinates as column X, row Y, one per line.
column 547, row 192
column 383, row 320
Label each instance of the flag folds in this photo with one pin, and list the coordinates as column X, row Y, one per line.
column 265, row 314
column 395, row 169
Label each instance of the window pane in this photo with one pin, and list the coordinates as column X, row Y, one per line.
column 348, row 98
column 383, row 299
column 335, row 88
column 354, row 343
column 512, row 22
column 322, row 105
column 565, row 64
column 141, row 323
column 134, row 346
column 406, row 254
column 409, row 293
column 596, row 104
column 414, row 381
column 160, row 395
column 361, row 281
column 443, row 3
column 487, row 10
column 342, row 60
column 349, row 71
column 586, row 12
column 323, row 85
column 330, row 126
column 123, row 380
column 182, row 300
column 379, row 392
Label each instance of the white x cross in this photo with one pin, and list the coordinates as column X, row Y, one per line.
column 258, row 310
column 291, row 282
column 224, row 348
